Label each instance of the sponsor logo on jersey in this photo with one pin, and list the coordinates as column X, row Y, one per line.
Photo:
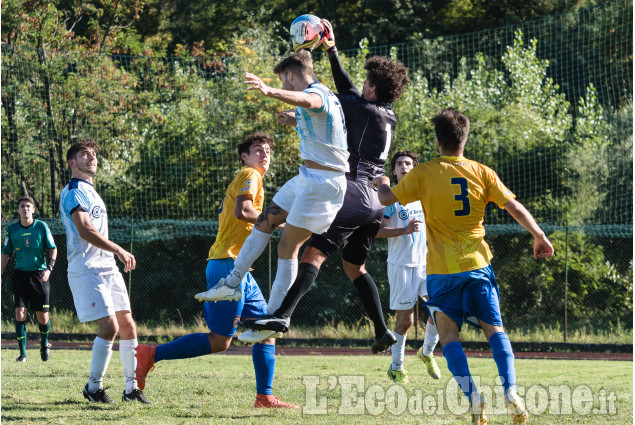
column 403, row 214
column 28, row 242
column 96, row 212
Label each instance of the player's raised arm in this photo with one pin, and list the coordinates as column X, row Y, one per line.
column 288, row 94
column 342, row 80
column 542, row 246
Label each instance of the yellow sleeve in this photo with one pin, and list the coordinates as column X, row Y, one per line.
column 410, row 188
column 248, row 182
column 496, row 190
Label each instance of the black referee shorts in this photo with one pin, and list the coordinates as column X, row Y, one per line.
column 28, row 288
column 355, row 224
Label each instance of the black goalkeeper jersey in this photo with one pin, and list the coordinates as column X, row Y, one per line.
column 369, row 125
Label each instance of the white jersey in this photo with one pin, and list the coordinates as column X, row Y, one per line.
column 322, row 131
column 406, row 250
column 84, row 258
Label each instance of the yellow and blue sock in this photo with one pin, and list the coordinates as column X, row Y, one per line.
column 264, row 357
column 192, row 345
column 20, row 335
column 44, row 334
column 457, row 364
column 504, row 358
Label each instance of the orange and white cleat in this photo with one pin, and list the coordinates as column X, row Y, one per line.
column 145, row 363
column 271, row 401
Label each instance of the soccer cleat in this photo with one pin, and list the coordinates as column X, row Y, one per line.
column 98, row 396
column 431, row 364
column 398, row 376
column 220, row 292
column 384, row 342
column 145, row 363
column 253, row 336
column 268, row 323
column 135, row 395
column 45, row 352
column 271, row 401
column 477, row 407
column 21, row 358
column 515, row 406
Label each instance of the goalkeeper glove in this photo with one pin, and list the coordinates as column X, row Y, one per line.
column 328, row 40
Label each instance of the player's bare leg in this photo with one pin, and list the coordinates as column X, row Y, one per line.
column 228, row 289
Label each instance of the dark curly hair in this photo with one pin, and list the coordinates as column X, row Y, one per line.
column 257, row 137
column 83, row 143
column 390, row 78
column 409, row 154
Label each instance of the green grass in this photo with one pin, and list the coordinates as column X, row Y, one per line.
column 221, row 389
column 66, row 322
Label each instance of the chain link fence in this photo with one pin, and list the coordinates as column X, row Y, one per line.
column 551, row 111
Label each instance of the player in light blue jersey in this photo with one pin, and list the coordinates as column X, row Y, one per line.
column 99, row 291
column 307, row 203
column 404, row 225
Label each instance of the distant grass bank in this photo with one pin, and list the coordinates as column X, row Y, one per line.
column 66, row 322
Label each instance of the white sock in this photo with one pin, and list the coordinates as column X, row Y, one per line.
column 285, row 276
column 102, row 350
column 129, row 362
column 254, row 245
column 430, row 340
column 398, row 351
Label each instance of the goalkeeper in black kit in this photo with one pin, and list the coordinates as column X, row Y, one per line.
column 370, row 122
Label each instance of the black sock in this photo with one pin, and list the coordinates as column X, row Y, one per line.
column 369, row 296
column 307, row 273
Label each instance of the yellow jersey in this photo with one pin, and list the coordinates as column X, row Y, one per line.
column 453, row 192
column 232, row 232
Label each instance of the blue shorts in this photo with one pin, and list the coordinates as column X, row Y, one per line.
column 466, row 296
column 222, row 316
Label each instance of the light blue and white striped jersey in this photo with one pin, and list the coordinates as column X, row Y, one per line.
column 406, row 250
column 84, row 258
column 322, row 131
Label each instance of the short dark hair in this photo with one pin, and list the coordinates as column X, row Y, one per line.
column 299, row 63
column 83, row 143
column 451, row 128
column 389, row 77
column 26, row 199
column 396, row 155
column 257, row 137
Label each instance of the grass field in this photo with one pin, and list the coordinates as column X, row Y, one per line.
column 331, row 389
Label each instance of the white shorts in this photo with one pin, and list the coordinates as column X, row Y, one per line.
column 405, row 284
column 98, row 295
column 312, row 198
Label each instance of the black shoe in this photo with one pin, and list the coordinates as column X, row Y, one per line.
column 384, row 342
column 268, row 323
column 135, row 395
column 45, row 352
column 98, row 396
column 21, row 358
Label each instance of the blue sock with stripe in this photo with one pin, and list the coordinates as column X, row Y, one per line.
column 457, row 363
column 504, row 358
column 264, row 357
column 192, row 345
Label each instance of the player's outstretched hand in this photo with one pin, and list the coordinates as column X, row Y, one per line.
column 542, row 248
column 254, row 82
column 328, row 41
column 413, row 226
column 127, row 259
column 287, row 118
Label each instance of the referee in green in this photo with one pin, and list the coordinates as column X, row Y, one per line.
column 29, row 239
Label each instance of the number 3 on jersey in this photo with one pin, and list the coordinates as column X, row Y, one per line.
column 462, row 197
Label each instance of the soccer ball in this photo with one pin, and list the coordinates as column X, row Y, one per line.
column 306, row 32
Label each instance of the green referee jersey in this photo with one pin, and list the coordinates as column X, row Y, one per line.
column 29, row 244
